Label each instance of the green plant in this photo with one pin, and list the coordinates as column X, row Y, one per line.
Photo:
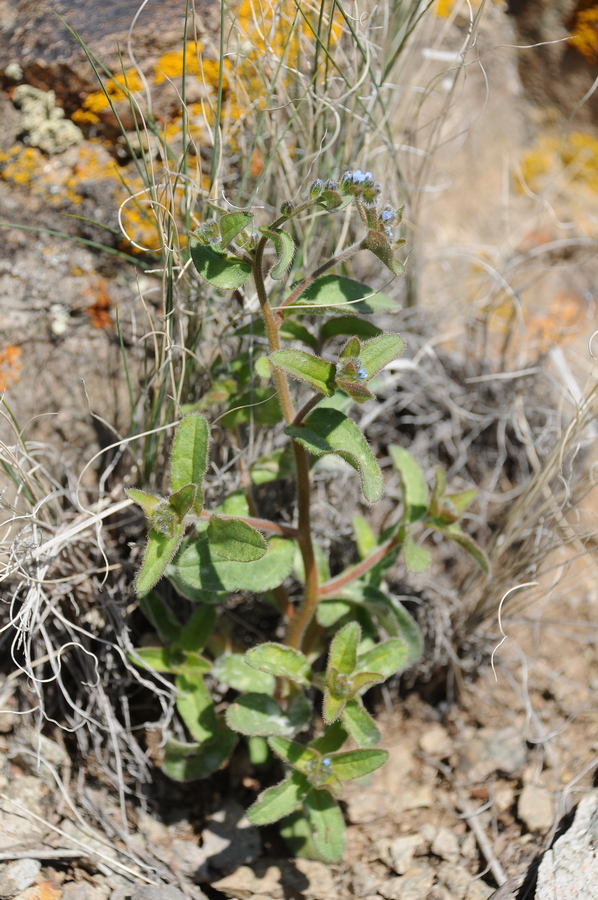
column 367, row 633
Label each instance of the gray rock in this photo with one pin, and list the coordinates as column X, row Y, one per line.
column 412, row 886
column 398, row 854
column 446, row 845
column 18, row 829
column 157, row 892
column 536, row 808
column 16, row 876
column 569, row 870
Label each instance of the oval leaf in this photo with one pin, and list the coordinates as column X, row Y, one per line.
column 259, row 714
column 384, row 659
column 330, row 431
column 285, row 250
column 349, row 325
column 231, row 224
column 343, row 649
column 189, row 457
column 302, row 758
column 326, row 824
column 281, row 661
column 158, row 553
column 380, row 351
column 195, row 706
column 413, row 483
column 234, row 671
column 225, row 272
column 313, row 370
column 188, row 762
column 335, row 292
column 235, row 540
column 198, row 568
column 357, row 763
column 360, row 726
column 417, row 558
column 279, row 801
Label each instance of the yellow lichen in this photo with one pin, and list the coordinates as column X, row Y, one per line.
column 577, row 154
column 117, row 88
column 584, row 33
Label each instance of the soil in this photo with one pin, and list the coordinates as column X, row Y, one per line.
column 484, row 767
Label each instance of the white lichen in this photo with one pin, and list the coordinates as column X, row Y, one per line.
column 43, row 123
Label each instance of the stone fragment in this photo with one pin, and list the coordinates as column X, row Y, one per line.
column 436, row 741
column 421, row 797
column 18, row 829
column 492, row 750
column 156, row 892
column 277, row 879
column 535, row 808
column 462, row 883
column 504, row 798
column 446, row 845
column 569, row 870
column 398, row 854
column 16, row 876
column 363, row 881
column 45, row 890
column 367, row 807
column 414, row 885
column 85, row 891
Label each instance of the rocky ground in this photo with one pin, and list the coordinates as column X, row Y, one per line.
column 480, row 777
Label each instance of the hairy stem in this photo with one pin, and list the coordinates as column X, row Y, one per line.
column 331, row 588
column 307, row 408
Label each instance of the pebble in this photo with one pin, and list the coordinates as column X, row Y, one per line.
column 437, row 742
column 282, row 878
column 421, row 797
column 462, row 884
column 16, row 876
column 414, row 885
column 398, row 854
column 535, row 808
column 446, row 845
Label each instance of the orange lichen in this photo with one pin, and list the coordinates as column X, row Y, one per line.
column 99, row 311
column 584, row 33
column 10, row 365
column 565, row 317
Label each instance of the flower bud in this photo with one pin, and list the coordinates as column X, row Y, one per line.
column 209, row 232
column 316, row 189
column 287, row 208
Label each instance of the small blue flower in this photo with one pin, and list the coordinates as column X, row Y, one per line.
column 326, row 761
column 358, row 177
column 387, row 215
column 389, row 233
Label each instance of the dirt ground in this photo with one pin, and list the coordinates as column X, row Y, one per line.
column 480, row 773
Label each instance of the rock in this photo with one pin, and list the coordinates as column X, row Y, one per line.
column 535, row 808
column 492, row 750
column 16, row 876
column 421, row 797
column 18, row 830
column 73, row 891
column 436, row 742
column 504, row 798
column 462, row 883
column 157, row 892
column 42, row 123
column 446, row 845
column 569, row 870
column 363, row 881
column 398, row 854
column 277, row 879
column 367, row 807
column 45, row 890
column 414, row 885
column 31, row 750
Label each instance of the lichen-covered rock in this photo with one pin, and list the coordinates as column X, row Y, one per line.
column 569, row 870
column 43, row 123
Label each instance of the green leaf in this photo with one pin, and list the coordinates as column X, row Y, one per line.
column 234, row 504
column 413, row 483
column 198, row 629
column 235, row 540
column 321, row 564
column 305, row 759
column 296, row 833
column 349, row 325
column 409, row 630
column 262, row 367
column 333, row 739
column 234, row 671
column 360, row 726
column 281, row 661
column 161, row 616
column 147, row 502
column 379, row 245
column 169, row 659
column 364, row 536
column 417, row 558
column 278, row 464
column 332, row 707
column 189, row 458
column 188, row 762
column 380, row 351
column 468, row 545
column 285, row 250
column 299, row 712
column 183, row 499
column 222, row 271
column 198, row 568
column 259, row 752
column 357, row 763
column 326, row 823
column 384, row 659
column 260, row 406
column 278, row 801
column 343, row 649
column 335, row 292
column 332, row 200
column 231, row 224
column 437, row 492
column 291, row 330
column 452, row 506
column 158, row 553
column 313, row 370
column 193, row 594
column 330, row 431
column 261, row 715
column 329, row 612
column 195, row 706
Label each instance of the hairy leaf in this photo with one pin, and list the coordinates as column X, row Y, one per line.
column 189, row 762
column 413, row 483
column 329, row 612
column 364, row 536
column 333, row 739
column 305, row 759
column 224, row 272
column 349, row 325
column 161, row 616
column 326, row 823
column 158, row 553
column 183, row 499
column 198, row 629
column 281, row 661
column 330, row 431
column 313, row 370
column 384, row 659
column 147, row 502
column 231, row 224
column 195, row 706
column 343, row 649
column 261, row 715
column 360, row 725
column 235, row 540
column 417, row 558
column 198, row 568
column 189, row 458
column 340, row 294
column 357, row 763
column 234, row 671
column 276, row 802
column 468, row 545
column 332, row 707
column 285, row 250
column 379, row 245
column 409, row 630
column 380, row 351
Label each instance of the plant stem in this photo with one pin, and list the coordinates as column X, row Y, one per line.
column 331, row 588
column 307, row 408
